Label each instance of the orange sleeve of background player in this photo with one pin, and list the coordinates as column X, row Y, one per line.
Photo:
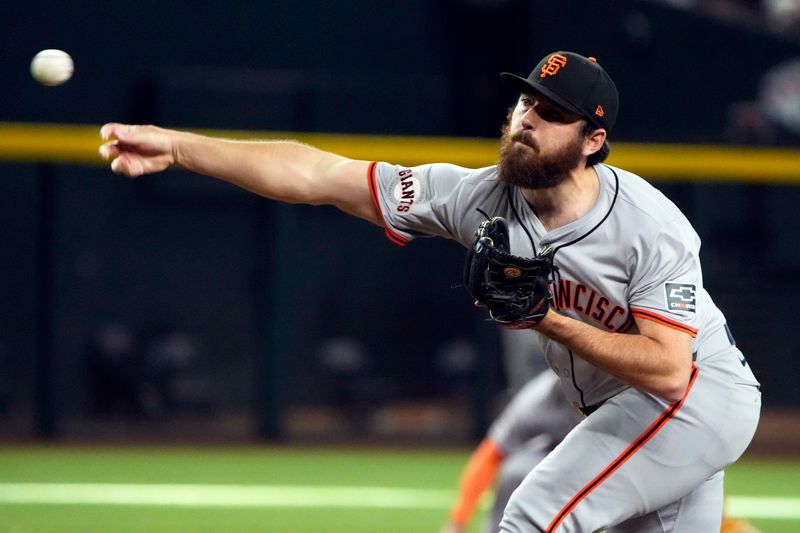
column 478, row 475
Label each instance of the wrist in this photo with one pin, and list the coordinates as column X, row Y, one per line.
column 547, row 322
column 179, row 143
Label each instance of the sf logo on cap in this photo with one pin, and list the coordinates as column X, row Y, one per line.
column 555, row 62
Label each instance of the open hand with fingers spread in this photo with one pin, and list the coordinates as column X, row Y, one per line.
column 137, row 150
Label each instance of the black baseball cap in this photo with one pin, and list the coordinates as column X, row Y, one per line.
column 575, row 82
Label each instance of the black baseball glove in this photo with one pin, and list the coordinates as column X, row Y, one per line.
column 516, row 290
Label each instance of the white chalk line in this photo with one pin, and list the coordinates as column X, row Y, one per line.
column 186, row 495
column 244, row 496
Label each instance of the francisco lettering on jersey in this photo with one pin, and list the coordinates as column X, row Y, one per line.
column 681, row 296
column 593, row 305
column 407, row 191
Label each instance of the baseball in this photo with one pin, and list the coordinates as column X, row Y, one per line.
column 51, row 67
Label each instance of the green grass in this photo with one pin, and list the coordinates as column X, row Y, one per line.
column 437, row 470
column 766, row 477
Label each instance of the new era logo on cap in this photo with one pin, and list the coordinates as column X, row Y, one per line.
column 575, row 82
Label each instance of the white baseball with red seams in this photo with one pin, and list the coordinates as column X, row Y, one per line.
column 637, row 462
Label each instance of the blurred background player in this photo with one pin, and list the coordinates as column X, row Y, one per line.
column 532, row 424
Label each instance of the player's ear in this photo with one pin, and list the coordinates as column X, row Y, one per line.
column 593, row 141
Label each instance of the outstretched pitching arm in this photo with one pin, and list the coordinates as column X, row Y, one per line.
column 286, row 171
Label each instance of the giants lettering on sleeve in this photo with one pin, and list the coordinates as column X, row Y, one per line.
column 406, row 190
column 593, row 305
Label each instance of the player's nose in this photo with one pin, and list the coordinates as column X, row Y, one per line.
column 530, row 118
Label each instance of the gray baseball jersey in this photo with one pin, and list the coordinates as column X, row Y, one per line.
column 634, row 254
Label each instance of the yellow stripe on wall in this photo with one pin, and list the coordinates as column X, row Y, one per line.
column 77, row 144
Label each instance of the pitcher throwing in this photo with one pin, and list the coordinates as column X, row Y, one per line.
column 639, row 346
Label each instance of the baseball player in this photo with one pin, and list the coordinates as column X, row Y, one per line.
column 640, row 348
column 536, row 419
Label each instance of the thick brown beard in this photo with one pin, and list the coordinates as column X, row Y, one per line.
column 530, row 169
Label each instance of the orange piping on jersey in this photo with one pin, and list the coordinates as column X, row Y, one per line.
column 373, row 191
column 648, row 434
column 664, row 321
column 478, row 476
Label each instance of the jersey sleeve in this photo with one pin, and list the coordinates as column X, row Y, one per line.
column 425, row 201
column 668, row 279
